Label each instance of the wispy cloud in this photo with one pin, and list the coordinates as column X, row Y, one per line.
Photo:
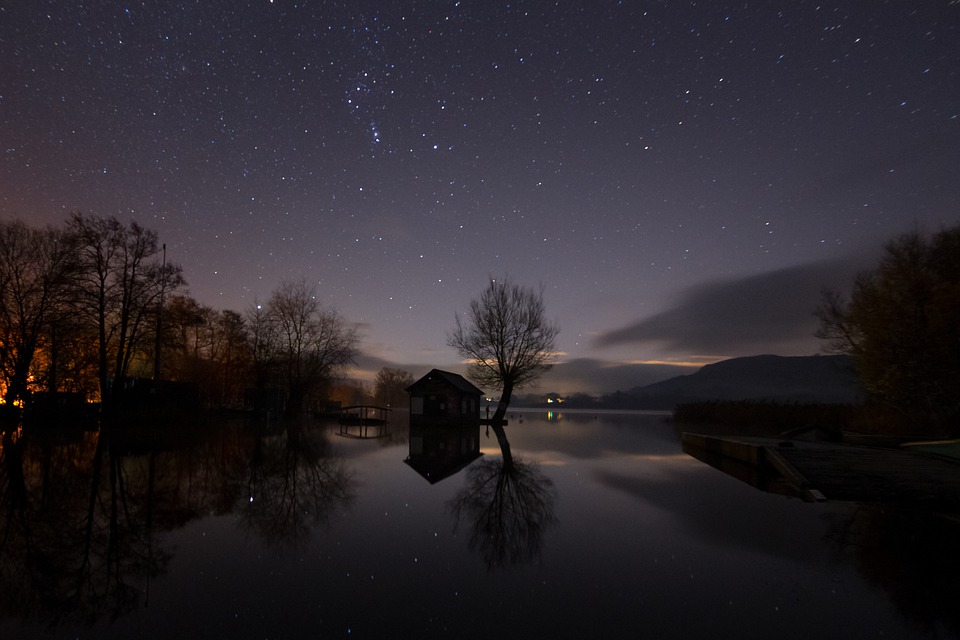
column 767, row 313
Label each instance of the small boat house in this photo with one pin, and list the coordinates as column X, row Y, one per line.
column 444, row 399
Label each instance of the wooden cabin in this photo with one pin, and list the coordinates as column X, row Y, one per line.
column 444, row 399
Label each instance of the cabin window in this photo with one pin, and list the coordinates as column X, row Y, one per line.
column 416, row 405
column 433, row 405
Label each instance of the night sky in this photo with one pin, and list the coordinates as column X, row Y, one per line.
column 682, row 177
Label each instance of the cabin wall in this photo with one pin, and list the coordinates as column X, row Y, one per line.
column 436, row 403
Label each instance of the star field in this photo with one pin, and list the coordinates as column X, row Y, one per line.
column 626, row 154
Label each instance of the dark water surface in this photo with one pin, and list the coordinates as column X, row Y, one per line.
column 602, row 528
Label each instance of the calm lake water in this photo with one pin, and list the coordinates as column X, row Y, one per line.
column 602, row 528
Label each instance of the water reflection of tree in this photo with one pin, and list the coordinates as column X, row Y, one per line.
column 508, row 505
column 76, row 538
column 292, row 483
column 913, row 555
column 82, row 513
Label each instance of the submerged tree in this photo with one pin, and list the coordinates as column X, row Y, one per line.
column 506, row 339
column 902, row 327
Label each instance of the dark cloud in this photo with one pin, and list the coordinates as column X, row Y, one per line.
column 766, row 313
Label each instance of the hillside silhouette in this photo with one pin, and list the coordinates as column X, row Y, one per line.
column 820, row 379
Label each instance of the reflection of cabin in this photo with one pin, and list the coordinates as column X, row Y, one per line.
column 440, row 452
column 444, row 399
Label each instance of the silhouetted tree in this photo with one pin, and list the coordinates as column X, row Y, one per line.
column 901, row 327
column 186, row 340
column 506, row 339
column 350, row 392
column 34, row 268
column 231, row 357
column 68, row 358
column 390, row 387
column 118, row 284
column 299, row 343
column 208, row 348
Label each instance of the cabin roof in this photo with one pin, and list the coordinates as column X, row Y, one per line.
column 453, row 379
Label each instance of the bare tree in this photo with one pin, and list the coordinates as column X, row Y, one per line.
column 231, row 357
column 34, row 266
column 302, row 343
column 390, row 387
column 263, row 341
column 208, row 348
column 119, row 284
column 506, row 339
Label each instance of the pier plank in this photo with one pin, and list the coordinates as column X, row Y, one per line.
column 818, row 470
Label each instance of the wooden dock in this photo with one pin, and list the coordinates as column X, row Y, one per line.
column 817, row 471
column 364, row 414
column 364, row 421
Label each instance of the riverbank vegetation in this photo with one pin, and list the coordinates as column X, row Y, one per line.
column 92, row 312
column 901, row 326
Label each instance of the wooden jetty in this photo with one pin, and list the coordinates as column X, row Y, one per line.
column 364, row 414
column 818, row 471
column 364, row 421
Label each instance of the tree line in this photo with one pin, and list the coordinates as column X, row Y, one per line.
column 901, row 325
column 90, row 306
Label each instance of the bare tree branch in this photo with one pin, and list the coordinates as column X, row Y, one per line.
column 505, row 338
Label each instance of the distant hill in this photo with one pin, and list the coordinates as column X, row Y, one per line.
column 791, row 379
